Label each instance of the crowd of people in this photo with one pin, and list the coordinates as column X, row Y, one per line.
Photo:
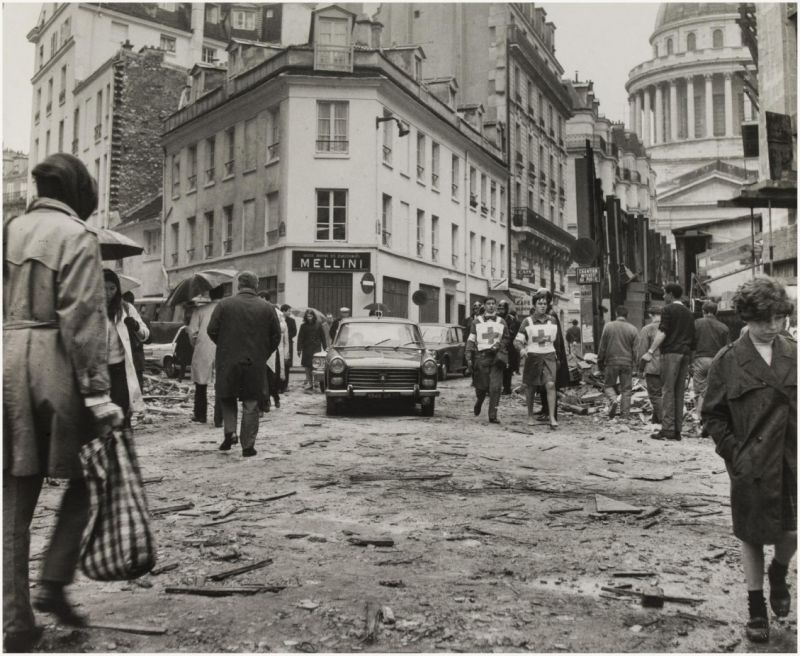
column 70, row 374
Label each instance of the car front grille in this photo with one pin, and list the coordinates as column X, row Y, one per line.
column 383, row 378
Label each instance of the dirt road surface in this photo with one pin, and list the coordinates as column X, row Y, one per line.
column 493, row 539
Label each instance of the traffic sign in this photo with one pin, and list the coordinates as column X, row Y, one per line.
column 367, row 283
column 587, row 275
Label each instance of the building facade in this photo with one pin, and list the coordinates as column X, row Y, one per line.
column 503, row 56
column 15, row 182
column 315, row 165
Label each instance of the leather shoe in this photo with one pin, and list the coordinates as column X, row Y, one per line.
column 227, row 443
column 494, row 420
column 780, row 600
column 198, row 420
column 51, row 599
column 22, row 642
column 249, row 452
column 757, row 629
column 477, row 408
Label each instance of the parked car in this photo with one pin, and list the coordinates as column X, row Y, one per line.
column 378, row 358
column 164, row 355
column 446, row 341
column 163, row 320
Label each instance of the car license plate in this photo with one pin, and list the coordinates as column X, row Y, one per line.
column 383, row 395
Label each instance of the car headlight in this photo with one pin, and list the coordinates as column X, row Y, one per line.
column 429, row 368
column 336, row 366
column 318, row 363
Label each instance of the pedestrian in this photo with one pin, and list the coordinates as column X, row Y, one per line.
column 651, row 371
column 504, row 312
column 291, row 326
column 203, row 358
column 750, row 410
column 344, row 312
column 675, row 338
column 487, row 357
column 310, row 340
column 123, row 319
column 246, row 331
column 55, row 385
column 536, row 339
column 276, row 367
column 477, row 310
column 711, row 335
column 184, row 351
column 137, row 345
column 574, row 338
column 616, row 358
column 562, row 366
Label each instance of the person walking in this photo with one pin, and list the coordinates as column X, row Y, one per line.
column 344, row 313
column 711, row 335
column 487, row 357
column 477, row 310
column 750, row 410
column 536, row 339
column 310, row 340
column 651, row 371
column 276, row 363
column 291, row 327
column 616, row 358
column 123, row 321
column 504, row 312
column 574, row 338
column 246, row 331
column 562, row 367
column 676, row 340
column 55, row 385
column 203, row 357
column 137, row 345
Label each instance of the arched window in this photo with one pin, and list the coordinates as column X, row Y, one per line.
column 669, row 46
column 655, row 50
column 716, row 39
column 691, row 43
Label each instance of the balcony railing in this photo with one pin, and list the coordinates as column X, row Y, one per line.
column 420, row 172
column 190, row 254
column 454, row 260
column 333, row 58
column 454, row 190
column 62, row 97
column 227, row 246
column 473, row 200
column 192, row 181
column 484, row 209
column 209, row 175
column 98, row 132
column 387, row 155
column 229, row 168
column 174, row 259
column 386, row 238
column 332, row 145
column 435, row 180
column 272, row 237
column 273, row 151
column 420, row 248
column 14, row 196
column 524, row 217
column 435, row 254
column 74, row 146
column 209, row 249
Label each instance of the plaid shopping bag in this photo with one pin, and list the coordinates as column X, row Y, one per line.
column 117, row 543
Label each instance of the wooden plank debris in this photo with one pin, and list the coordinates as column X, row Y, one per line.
column 152, row 479
column 652, row 476
column 559, row 511
column 364, row 478
column 166, row 567
column 222, row 591
column 170, row 509
column 636, row 593
column 257, row 500
column 702, row 618
column 608, row 505
column 220, row 576
column 372, row 618
column 633, row 575
column 604, row 474
column 364, row 542
column 310, row 442
column 128, row 628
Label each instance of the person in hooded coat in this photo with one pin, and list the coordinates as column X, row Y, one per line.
column 310, row 340
column 55, row 384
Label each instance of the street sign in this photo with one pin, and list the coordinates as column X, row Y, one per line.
column 587, row 275
column 367, row 283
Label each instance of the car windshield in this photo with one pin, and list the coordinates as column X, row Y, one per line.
column 434, row 334
column 377, row 334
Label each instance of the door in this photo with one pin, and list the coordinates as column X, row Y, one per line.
column 429, row 313
column 395, row 296
column 327, row 292
column 449, row 299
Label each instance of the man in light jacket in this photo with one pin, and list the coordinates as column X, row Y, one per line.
column 651, row 370
column 55, row 384
column 616, row 358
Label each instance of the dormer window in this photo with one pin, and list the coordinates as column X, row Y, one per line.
column 167, row 6
column 418, row 69
column 244, row 20
column 333, row 50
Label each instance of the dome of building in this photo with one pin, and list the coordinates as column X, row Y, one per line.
column 673, row 12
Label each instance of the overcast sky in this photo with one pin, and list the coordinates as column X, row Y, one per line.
column 601, row 41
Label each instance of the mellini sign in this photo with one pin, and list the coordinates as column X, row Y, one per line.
column 322, row 261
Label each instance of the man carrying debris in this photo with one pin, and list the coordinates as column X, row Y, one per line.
column 55, row 384
column 651, row 371
column 675, row 338
column 711, row 335
column 616, row 358
column 246, row 331
column 487, row 356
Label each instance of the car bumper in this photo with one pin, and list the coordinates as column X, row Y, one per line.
column 350, row 392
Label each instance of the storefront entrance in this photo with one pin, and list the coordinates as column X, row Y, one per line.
column 327, row 292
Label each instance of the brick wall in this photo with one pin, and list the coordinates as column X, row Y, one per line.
column 145, row 92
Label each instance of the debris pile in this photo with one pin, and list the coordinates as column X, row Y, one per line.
column 164, row 396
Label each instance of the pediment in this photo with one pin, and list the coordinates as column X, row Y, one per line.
column 713, row 187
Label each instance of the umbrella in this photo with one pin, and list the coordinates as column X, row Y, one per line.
column 378, row 307
column 198, row 284
column 299, row 312
column 115, row 246
column 128, row 284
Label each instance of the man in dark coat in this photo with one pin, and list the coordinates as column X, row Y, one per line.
column 55, row 385
column 291, row 327
column 246, row 331
column 512, row 322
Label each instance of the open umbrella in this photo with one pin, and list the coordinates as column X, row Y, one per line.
column 378, row 307
column 198, row 284
column 128, row 284
column 115, row 246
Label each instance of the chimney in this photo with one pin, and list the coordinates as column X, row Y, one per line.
column 362, row 35
column 377, row 33
column 198, row 28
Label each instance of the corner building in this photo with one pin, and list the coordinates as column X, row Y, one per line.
column 313, row 165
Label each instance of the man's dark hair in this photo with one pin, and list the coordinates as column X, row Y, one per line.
column 761, row 299
column 285, row 307
column 65, row 178
column 674, row 290
column 622, row 311
column 216, row 293
column 574, row 322
column 248, row 280
column 489, row 298
column 265, row 295
column 709, row 307
column 128, row 297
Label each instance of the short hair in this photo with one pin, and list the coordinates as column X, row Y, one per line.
column 476, row 304
column 265, row 295
column 760, row 299
column 248, row 280
column 216, row 293
column 709, row 307
column 622, row 311
column 285, row 307
column 574, row 322
column 489, row 298
column 128, row 297
column 673, row 289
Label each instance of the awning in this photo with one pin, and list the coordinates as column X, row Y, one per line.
column 766, row 193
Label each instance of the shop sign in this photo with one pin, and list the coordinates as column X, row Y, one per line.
column 327, row 261
column 587, row 275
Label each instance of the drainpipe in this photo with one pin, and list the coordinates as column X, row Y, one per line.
column 465, row 185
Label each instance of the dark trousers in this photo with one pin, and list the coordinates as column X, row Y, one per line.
column 654, row 393
column 138, row 365
column 201, row 405
column 249, row 428
column 490, row 370
column 20, row 495
column 284, row 385
column 508, row 372
column 624, row 375
column 674, row 368
column 119, row 389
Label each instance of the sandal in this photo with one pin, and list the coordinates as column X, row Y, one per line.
column 553, row 425
column 757, row 629
column 780, row 600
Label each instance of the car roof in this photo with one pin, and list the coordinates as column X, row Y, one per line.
column 377, row 320
column 439, row 325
